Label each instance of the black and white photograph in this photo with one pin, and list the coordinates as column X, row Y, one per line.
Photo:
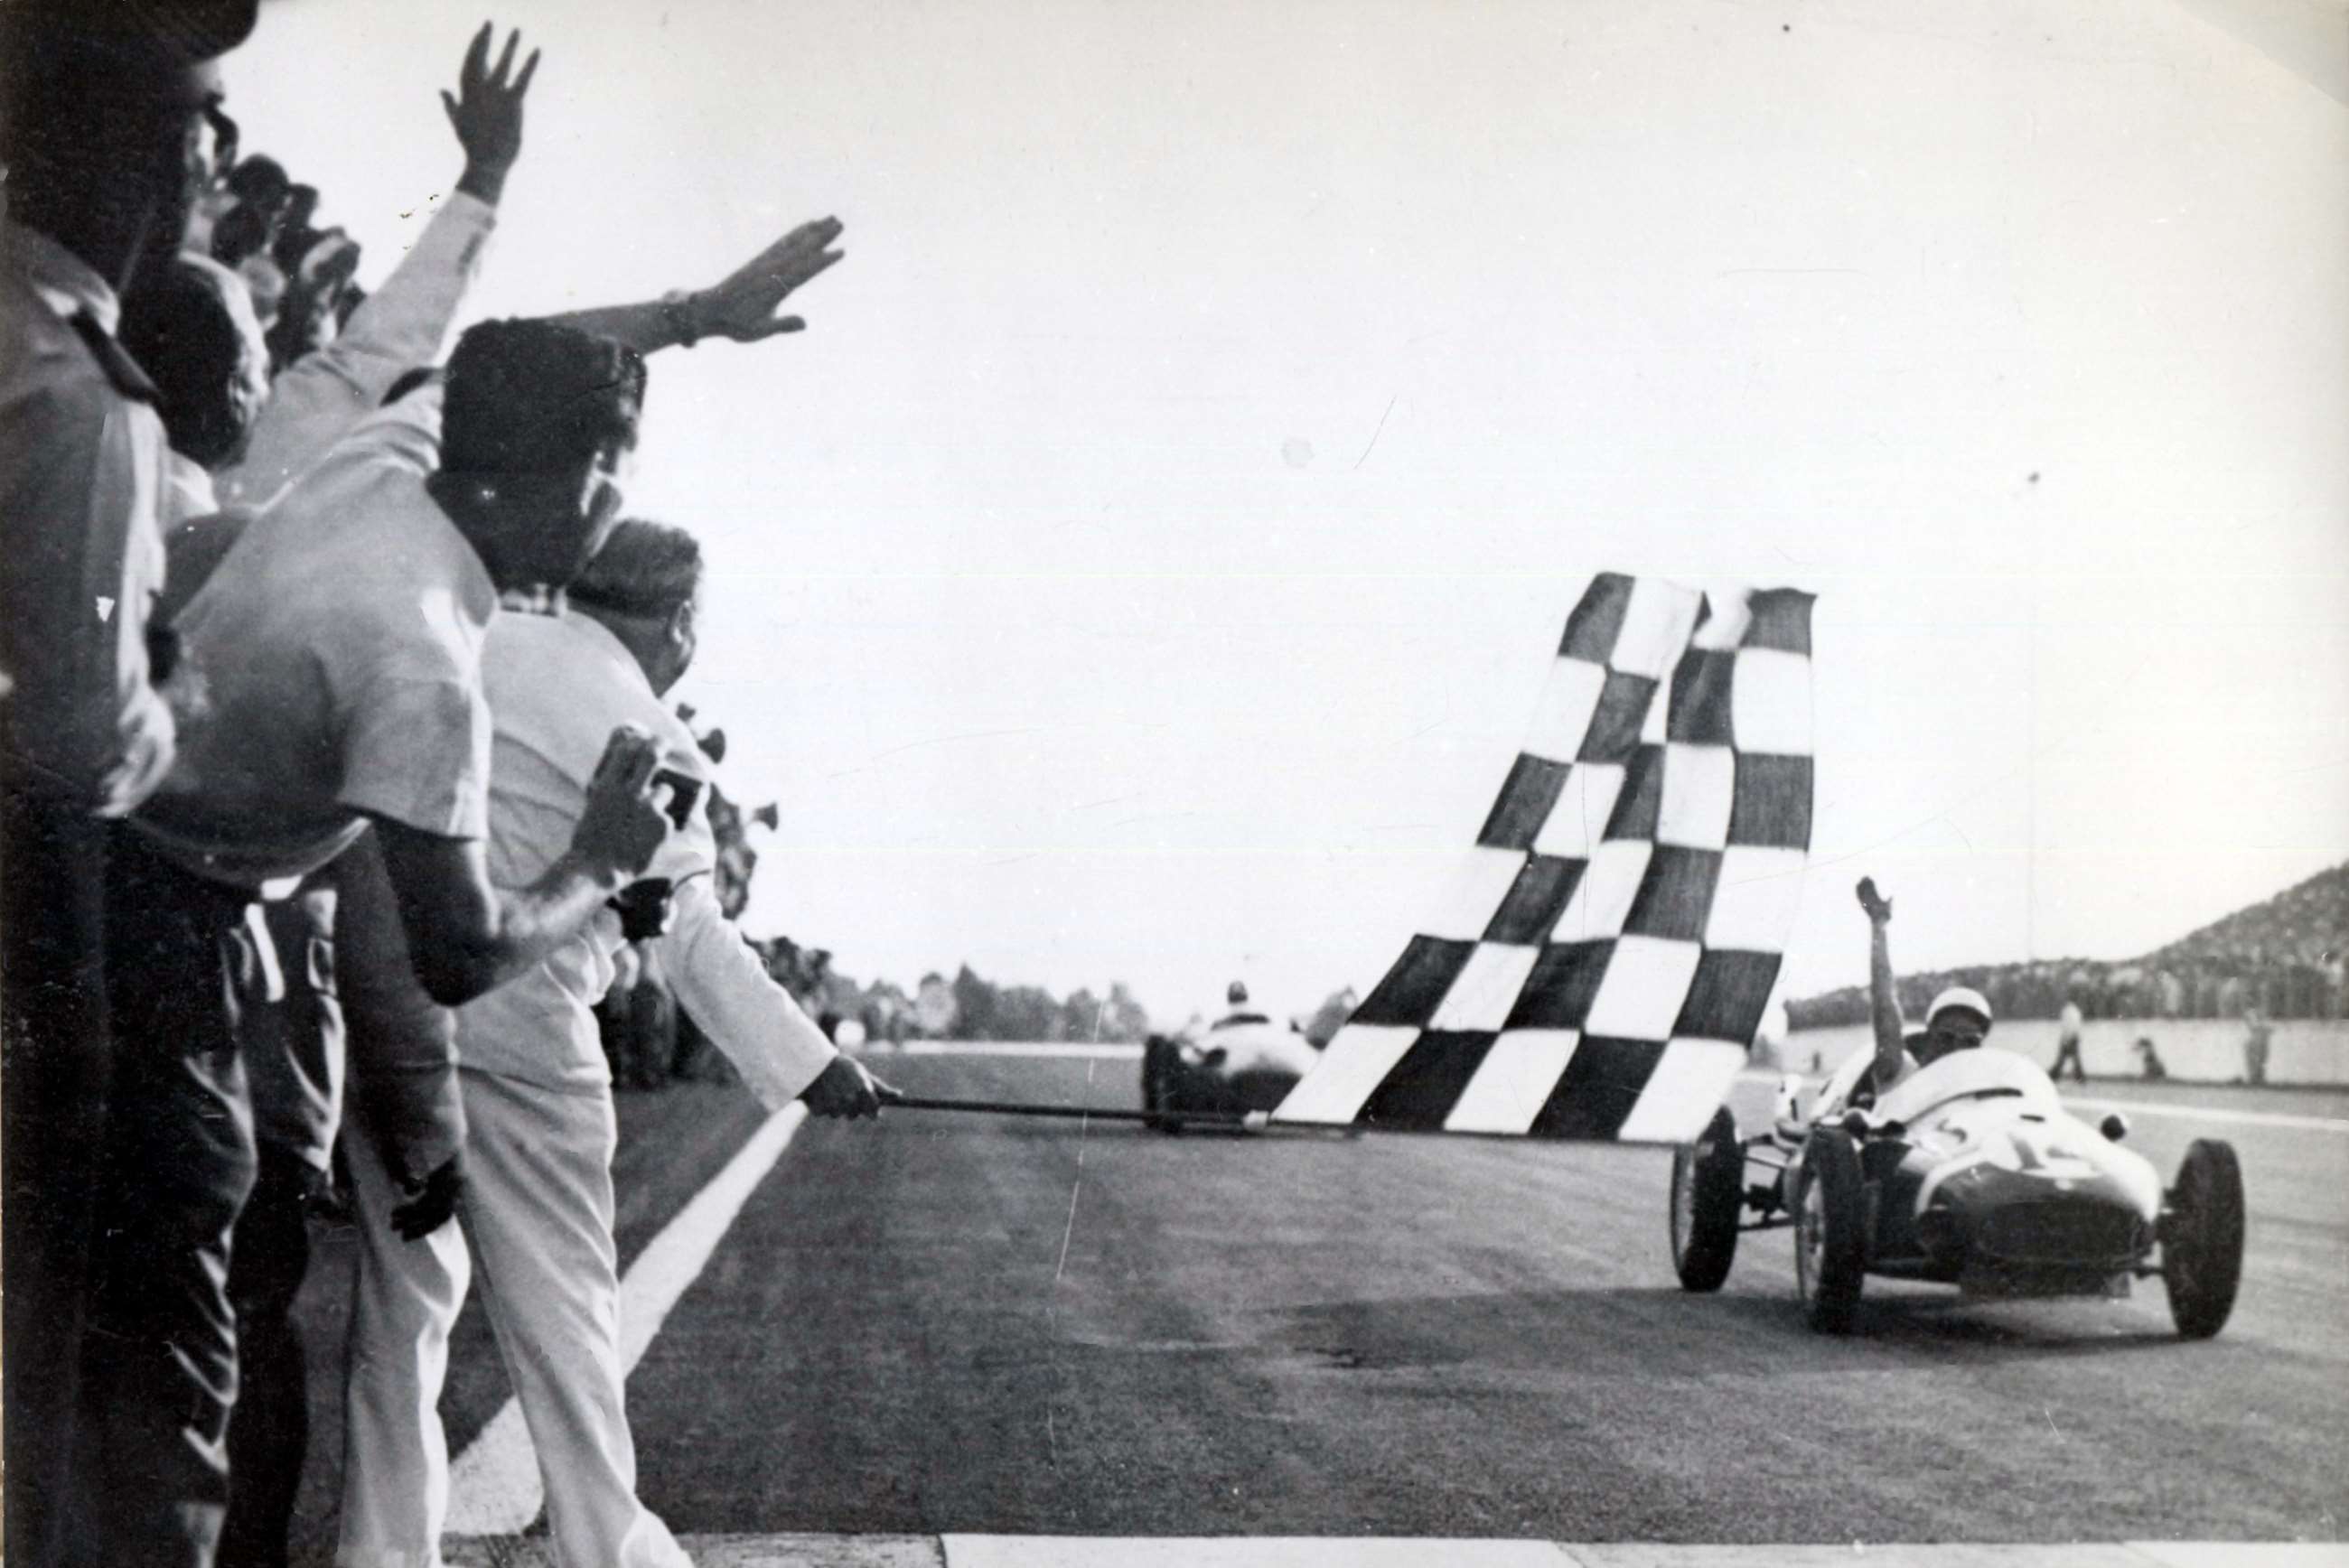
column 1175, row 783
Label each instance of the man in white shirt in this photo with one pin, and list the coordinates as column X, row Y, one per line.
column 537, row 1202
column 105, row 112
column 192, row 322
column 331, row 664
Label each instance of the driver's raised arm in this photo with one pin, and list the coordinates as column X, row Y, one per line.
column 1883, row 997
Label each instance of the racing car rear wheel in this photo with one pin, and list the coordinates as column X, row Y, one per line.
column 2202, row 1238
column 1161, row 1062
column 1830, row 1244
column 1707, row 1194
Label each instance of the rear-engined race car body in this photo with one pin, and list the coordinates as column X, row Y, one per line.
column 1969, row 1172
column 1243, row 1062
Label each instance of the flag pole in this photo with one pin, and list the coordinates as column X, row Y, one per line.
column 1239, row 1118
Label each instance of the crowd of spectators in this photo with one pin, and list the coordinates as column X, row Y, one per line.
column 339, row 782
column 2286, row 957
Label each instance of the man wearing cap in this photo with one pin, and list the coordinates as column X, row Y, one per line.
column 1958, row 1020
column 101, row 133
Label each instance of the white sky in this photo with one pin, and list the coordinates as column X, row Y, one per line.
column 1145, row 565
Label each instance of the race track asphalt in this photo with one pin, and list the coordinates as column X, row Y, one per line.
column 950, row 1323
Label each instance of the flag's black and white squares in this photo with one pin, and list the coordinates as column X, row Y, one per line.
column 1607, row 949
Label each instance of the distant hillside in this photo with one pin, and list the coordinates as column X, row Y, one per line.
column 2307, row 924
column 2284, row 953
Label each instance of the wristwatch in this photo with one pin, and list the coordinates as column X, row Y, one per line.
column 677, row 312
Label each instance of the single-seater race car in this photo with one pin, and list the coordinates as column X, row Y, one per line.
column 1242, row 1062
column 1969, row 1173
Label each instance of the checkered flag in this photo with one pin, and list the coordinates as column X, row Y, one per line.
column 1613, row 937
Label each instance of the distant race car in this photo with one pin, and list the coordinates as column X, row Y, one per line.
column 1969, row 1172
column 1242, row 1062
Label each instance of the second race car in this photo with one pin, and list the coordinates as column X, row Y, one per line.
column 1243, row 1062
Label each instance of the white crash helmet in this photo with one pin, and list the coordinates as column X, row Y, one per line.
column 1960, row 997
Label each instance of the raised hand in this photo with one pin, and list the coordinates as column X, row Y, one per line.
column 486, row 110
column 743, row 307
column 1879, row 907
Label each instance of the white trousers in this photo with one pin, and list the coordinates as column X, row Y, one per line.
column 537, row 1210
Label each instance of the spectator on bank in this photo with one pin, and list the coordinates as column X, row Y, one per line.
column 104, row 118
column 2150, row 1066
column 538, row 1203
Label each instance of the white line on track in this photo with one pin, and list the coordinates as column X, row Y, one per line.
column 493, row 1488
column 1369, row 1552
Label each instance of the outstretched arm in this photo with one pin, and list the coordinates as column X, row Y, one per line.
column 1883, row 998
column 317, row 399
column 741, row 308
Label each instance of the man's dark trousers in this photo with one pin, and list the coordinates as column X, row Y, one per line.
column 159, row 1367
column 53, row 1067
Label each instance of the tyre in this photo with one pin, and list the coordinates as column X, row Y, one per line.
column 1830, row 1241
column 2202, row 1239
column 1161, row 1062
column 1707, row 1198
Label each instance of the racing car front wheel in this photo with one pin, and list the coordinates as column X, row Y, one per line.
column 1830, row 1245
column 2202, row 1238
column 1707, row 1194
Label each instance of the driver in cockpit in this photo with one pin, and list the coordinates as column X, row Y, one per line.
column 1958, row 1019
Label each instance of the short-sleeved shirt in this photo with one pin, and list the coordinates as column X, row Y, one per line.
column 81, row 540
column 334, row 663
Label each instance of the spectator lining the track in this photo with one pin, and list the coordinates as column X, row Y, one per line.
column 190, row 319
column 105, row 114
column 537, row 1204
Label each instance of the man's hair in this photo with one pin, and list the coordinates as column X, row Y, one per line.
column 180, row 322
column 648, row 568
column 68, row 67
column 533, row 396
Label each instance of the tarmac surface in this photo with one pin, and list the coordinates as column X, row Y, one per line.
column 947, row 1327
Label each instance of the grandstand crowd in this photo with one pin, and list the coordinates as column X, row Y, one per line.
column 2286, row 957
column 340, row 785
